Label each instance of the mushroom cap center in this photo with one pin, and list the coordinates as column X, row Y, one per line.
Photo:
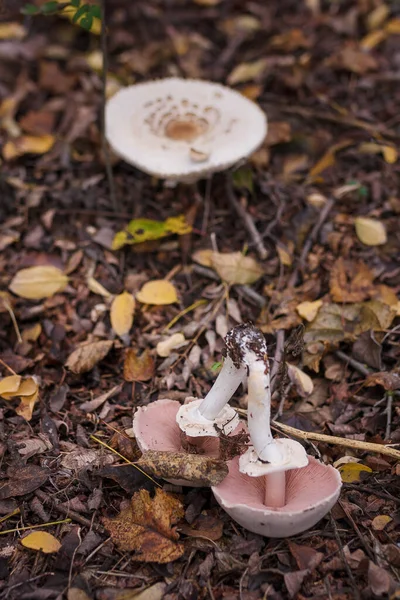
column 185, row 130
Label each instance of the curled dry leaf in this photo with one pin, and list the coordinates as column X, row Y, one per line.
column 232, row 267
column 303, row 382
column 196, row 468
column 350, row 281
column 158, row 292
column 370, row 232
column 24, row 481
column 27, row 389
column 379, row 523
column 27, row 144
column 351, row 472
column 38, row 282
column 86, row 356
column 121, row 313
column 42, row 541
column 309, row 310
column 146, row 527
column 96, row 287
column 138, row 368
column 165, row 347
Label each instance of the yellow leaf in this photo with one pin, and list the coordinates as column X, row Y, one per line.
column 393, row 26
column 39, row 282
column 389, row 154
column 28, row 144
column 370, row 232
column 159, row 291
column 145, row 230
column 121, row 313
column 379, row 523
column 165, row 347
column 203, row 257
column 328, row 159
column 284, row 255
column 247, row 71
column 96, row 287
column 373, row 39
column 377, row 17
column 10, row 385
column 27, row 387
column 303, row 382
column 41, row 540
column 309, row 310
column 69, row 13
column 234, row 268
column 26, row 406
column 31, row 334
column 351, row 472
column 12, row 30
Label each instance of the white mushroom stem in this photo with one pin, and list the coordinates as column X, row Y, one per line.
column 221, row 392
column 259, row 410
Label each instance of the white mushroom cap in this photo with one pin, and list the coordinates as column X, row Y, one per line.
column 310, row 494
column 291, row 454
column 192, row 422
column 183, row 129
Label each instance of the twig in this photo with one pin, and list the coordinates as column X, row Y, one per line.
column 370, row 490
column 356, row 529
column 332, row 439
column 344, row 559
column 247, row 220
column 310, row 240
column 362, row 369
column 106, row 152
column 388, row 411
column 243, row 290
column 279, row 352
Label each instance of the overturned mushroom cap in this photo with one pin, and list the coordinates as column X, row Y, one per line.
column 310, row 493
column 183, row 129
column 192, row 422
column 291, row 454
column 155, row 428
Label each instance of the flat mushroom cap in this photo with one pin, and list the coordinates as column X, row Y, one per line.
column 183, row 129
column 310, row 494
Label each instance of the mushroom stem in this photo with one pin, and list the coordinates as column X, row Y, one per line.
column 259, row 410
column 224, row 387
column 275, row 489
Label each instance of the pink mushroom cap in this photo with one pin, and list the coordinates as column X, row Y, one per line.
column 155, row 428
column 310, row 494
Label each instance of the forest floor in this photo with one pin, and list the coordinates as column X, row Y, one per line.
column 327, row 74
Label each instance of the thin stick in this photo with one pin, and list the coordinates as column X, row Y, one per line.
column 362, row 369
column 247, row 220
column 344, row 559
column 279, row 351
column 332, row 439
column 34, row 526
column 5, row 365
column 106, row 152
column 310, row 240
column 388, row 411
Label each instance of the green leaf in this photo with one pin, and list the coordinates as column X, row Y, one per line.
column 80, row 12
column 243, row 178
column 30, row 9
column 50, row 7
column 86, row 22
column 75, row 3
column 95, row 11
column 216, row 366
column 144, row 230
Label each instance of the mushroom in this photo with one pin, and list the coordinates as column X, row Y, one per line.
column 168, row 426
column 183, row 129
column 274, row 488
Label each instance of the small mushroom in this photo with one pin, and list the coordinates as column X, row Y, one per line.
column 280, row 491
column 183, row 129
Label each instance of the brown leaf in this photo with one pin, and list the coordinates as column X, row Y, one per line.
column 305, row 557
column 279, row 132
column 24, row 481
column 205, row 526
column 94, row 404
column 389, row 381
column 350, row 281
column 195, row 468
column 146, row 527
column 87, row 355
column 138, row 368
column 38, row 122
column 127, row 477
column 354, row 60
column 368, row 350
column 294, row 581
column 379, row 580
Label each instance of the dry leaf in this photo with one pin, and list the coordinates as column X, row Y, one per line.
column 165, row 347
column 96, row 287
column 86, row 356
column 12, row 30
column 301, row 380
column 9, row 385
column 159, row 292
column 328, row 159
column 247, row 71
column 370, row 232
column 351, row 472
column 42, row 541
column 284, row 255
column 31, row 334
column 350, row 281
column 27, row 390
column 24, row 481
column 234, row 268
column 121, row 313
column 38, row 282
column 379, row 523
column 354, row 60
column 27, row 144
column 138, row 368
column 196, row 468
column 92, row 405
column 309, row 310
column 146, row 527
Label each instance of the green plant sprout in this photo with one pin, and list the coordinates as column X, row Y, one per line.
column 87, row 16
